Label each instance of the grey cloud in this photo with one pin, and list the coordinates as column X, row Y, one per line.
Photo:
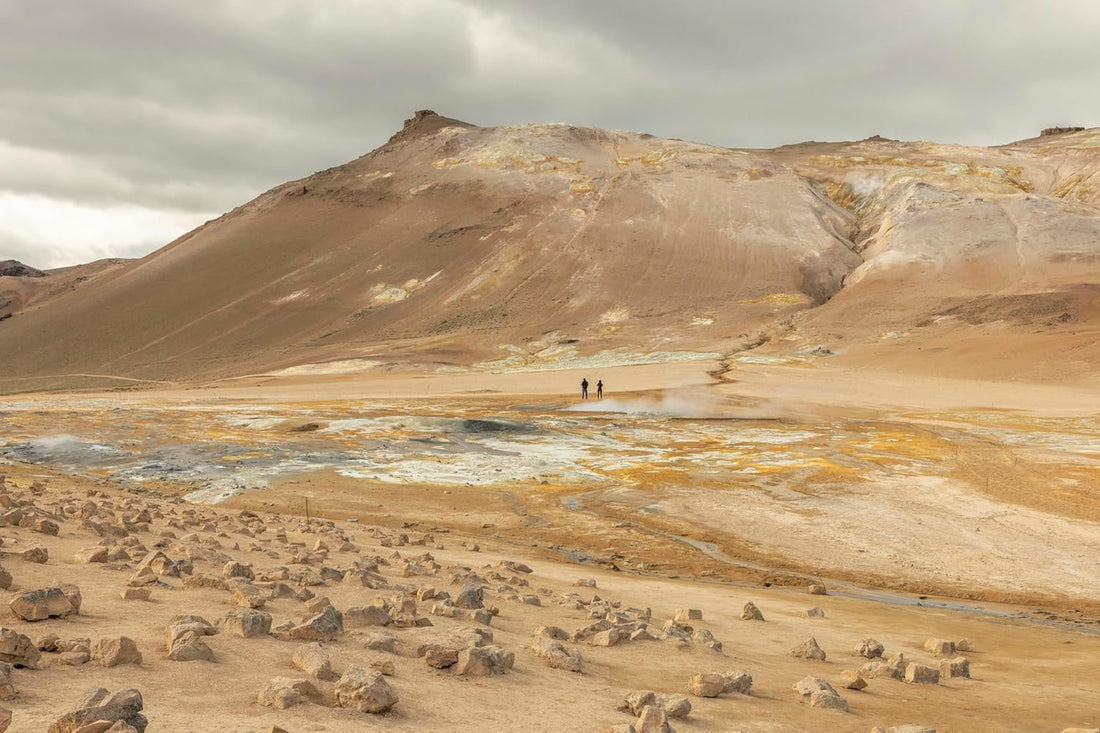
column 196, row 107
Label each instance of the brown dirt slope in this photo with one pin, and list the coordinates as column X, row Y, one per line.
column 454, row 245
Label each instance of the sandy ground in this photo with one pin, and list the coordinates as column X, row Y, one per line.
column 978, row 497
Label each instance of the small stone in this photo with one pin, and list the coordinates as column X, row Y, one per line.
column 751, row 613
column 817, row 589
column 828, row 700
column 285, row 692
column 111, row 652
column 686, row 615
column 90, row 555
column 707, row 684
column 921, row 674
column 314, row 661
column 808, row 650
column 852, row 680
column 136, row 594
column 940, row 647
column 39, row 605
column 608, row 637
column 364, row 690
column 37, row 554
column 384, row 667
column 653, row 719
column 815, row 612
column 483, row 661
column 247, row 623
column 870, row 649
column 956, row 667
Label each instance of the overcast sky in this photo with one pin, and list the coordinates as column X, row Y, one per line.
column 125, row 123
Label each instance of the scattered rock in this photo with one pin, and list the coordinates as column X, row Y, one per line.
column 247, row 622
column 36, row 555
column 124, row 706
column 111, row 652
column 90, row 555
column 7, row 687
column 483, row 661
column 234, row 569
column 136, row 594
column 820, row 694
column 284, row 692
column 324, row 626
column 852, row 680
column 687, row 615
column 653, row 719
column 940, row 647
column 956, row 667
column 713, row 684
column 557, row 655
column 815, row 612
column 359, row 616
column 817, row 589
column 314, row 661
column 364, row 690
column 751, row 613
column 808, row 650
column 185, row 639
column 922, row 674
column 39, row 605
column 870, row 649
column 471, row 596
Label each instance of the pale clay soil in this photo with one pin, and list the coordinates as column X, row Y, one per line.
column 975, row 490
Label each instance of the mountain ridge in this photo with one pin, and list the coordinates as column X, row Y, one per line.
column 453, row 246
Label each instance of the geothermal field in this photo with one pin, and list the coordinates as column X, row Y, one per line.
column 323, row 464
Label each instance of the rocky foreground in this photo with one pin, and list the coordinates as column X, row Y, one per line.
column 129, row 612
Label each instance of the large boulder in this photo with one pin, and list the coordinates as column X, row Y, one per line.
column 364, row 690
column 100, row 705
column 17, row 649
column 41, row 604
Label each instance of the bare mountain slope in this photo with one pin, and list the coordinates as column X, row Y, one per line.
column 978, row 261
column 453, row 242
column 22, row 286
column 544, row 245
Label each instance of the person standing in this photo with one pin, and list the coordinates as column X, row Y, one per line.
column 599, row 390
column 584, row 388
